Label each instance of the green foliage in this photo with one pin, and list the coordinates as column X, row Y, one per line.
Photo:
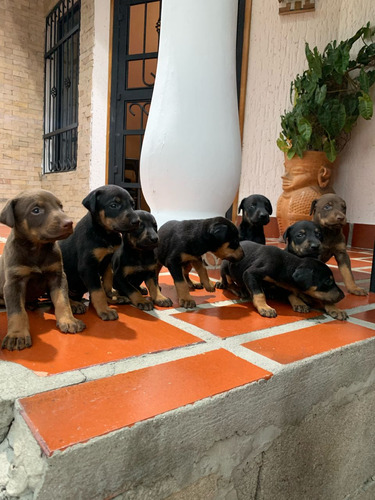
column 329, row 97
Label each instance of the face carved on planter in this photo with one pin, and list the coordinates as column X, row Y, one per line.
column 298, row 177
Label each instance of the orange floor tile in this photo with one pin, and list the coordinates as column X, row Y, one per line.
column 366, row 315
column 293, row 346
column 133, row 334
column 74, row 414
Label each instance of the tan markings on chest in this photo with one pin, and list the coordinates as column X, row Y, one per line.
column 102, row 252
column 23, row 271
column 127, row 270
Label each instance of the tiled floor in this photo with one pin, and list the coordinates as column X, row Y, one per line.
column 148, row 363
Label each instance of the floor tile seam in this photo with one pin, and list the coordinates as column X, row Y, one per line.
column 255, row 358
column 362, row 322
column 358, row 309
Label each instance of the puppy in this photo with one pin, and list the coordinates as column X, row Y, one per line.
column 182, row 244
column 329, row 212
column 301, row 277
column 256, row 211
column 304, row 239
column 88, row 252
column 135, row 262
column 31, row 264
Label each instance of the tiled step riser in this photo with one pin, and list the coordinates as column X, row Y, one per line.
column 272, row 428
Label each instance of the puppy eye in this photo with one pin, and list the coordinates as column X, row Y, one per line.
column 113, row 205
column 36, row 211
column 300, row 235
column 253, row 205
column 327, row 207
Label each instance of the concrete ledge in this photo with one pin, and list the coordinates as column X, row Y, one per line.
column 305, row 433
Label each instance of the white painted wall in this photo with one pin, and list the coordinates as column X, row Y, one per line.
column 100, row 93
column 276, row 55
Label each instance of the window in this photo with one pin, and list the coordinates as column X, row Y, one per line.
column 61, row 87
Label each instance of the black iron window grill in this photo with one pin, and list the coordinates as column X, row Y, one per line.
column 61, row 87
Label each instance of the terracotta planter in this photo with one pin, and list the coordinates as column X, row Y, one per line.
column 304, row 180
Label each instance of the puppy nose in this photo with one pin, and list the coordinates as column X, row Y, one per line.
column 315, row 245
column 68, row 224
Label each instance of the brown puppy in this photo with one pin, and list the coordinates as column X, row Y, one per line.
column 329, row 212
column 31, row 264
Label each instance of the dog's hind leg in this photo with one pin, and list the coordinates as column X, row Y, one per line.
column 203, row 275
column 157, row 297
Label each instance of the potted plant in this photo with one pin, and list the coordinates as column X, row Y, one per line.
column 328, row 99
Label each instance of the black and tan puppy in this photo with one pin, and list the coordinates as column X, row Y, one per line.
column 31, row 264
column 135, row 262
column 256, row 211
column 182, row 244
column 87, row 253
column 304, row 239
column 300, row 277
column 329, row 212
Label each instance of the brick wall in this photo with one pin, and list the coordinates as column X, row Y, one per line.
column 21, row 95
column 22, row 29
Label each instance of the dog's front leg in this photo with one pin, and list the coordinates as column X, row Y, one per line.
column 253, row 284
column 98, row 297
column 18, row 335
column 157, row 297
column 58, row 288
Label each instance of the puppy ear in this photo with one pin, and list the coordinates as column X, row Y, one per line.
column 241, row 205
column 302, row 276
column 268, row 206
column 313, row 206
column 218, row 231
column 90, row 201
column 286, row 234
column 7, row 214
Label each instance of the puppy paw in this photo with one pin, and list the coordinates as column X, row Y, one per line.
column 118, row 299
column 145, row 305
column 195, row 285
column 164, row 302
column 357, row 290
column 16, row 341
column 267, row 312
column 336, row 313
column 78, row 307
column 210, row 288
column 220, row 285
column 71, row 325
column 108, row 314
column 187, row 304
column 301, row 308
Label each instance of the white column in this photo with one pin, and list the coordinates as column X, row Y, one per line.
column 191, row 154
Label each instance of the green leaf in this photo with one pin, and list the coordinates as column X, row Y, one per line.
column 364, row 81
column 282, row 144
column 330, row 150
column 304, row 128
column 320, row 94
column 338, row 120
column 365, row 106
column 290, row 153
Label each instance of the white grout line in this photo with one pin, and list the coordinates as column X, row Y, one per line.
column 256, row 359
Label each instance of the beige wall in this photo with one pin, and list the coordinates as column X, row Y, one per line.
column 22, row 27
column 276, row 56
